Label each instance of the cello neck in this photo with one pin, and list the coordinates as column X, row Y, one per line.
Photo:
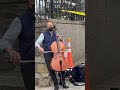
column 57, row 40
column 58, row 46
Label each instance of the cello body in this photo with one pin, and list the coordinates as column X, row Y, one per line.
column 58, row 62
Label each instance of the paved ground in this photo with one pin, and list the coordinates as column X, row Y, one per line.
column 71, row 87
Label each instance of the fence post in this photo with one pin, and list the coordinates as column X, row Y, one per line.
column 52, row 8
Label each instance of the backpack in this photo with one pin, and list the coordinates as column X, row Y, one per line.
column 78, row 73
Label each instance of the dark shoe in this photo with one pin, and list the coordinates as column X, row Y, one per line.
column 74, row 83
column 56, row 85
column 56, row 88
column 64, row 85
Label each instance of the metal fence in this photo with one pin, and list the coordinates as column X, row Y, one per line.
column 46, row 9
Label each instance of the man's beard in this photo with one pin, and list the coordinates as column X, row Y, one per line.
column 51, row 29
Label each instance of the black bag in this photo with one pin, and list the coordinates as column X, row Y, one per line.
column 78, row 73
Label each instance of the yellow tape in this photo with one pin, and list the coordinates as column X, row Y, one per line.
column 74, row 12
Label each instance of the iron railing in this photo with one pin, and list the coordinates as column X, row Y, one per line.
column 46, row 9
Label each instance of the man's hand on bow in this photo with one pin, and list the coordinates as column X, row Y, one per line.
column 14, row 56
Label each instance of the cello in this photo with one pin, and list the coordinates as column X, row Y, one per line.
column 59, row 62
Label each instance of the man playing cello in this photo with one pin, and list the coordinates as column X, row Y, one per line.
column 47, row 38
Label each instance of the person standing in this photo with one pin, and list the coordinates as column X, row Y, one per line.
column 46, row 38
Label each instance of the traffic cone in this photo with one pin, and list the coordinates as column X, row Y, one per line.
column 87, row 79
column 69, row 54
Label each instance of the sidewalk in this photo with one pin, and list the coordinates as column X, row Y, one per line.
column 71, row 87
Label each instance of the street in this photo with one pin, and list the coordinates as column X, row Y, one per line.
column 71, row 87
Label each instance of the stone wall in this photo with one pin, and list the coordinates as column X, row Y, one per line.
column 42, row 77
